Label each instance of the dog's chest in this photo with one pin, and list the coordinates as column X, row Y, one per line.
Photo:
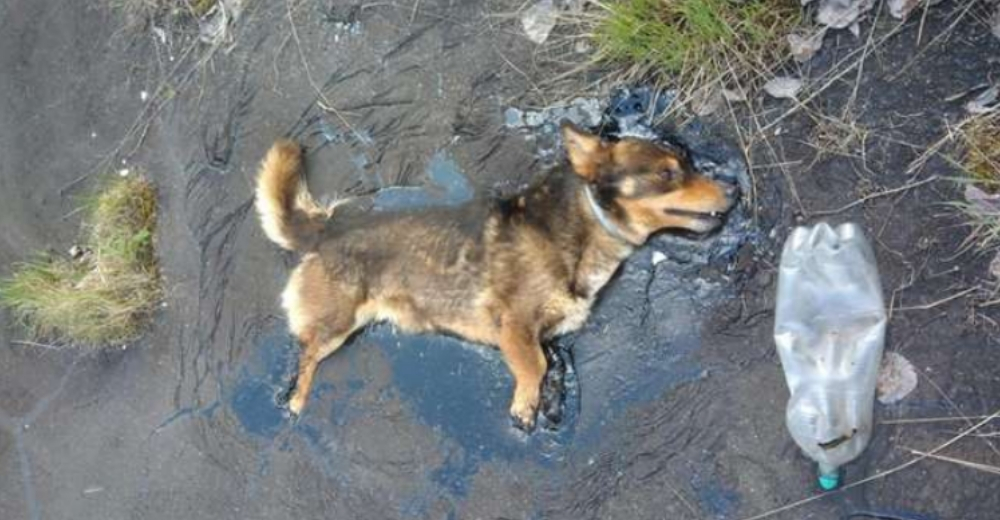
column 571, row 311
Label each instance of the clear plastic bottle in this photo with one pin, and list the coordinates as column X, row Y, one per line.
column 829, row 328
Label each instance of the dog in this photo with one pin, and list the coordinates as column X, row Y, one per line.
column 511, row 273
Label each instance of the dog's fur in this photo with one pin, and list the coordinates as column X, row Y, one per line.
column 510, row 273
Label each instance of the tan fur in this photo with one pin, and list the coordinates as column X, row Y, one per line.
column 511, row 273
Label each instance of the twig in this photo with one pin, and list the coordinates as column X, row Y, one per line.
column 879, row 475
column 325, row 103
column 34, row 344
column 942, row 301
column 885, row 193
column 969, row 464
column 924, row 420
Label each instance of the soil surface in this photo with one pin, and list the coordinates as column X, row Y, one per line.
column 676, row 398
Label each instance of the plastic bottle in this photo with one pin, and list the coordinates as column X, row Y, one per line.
column 829, row 328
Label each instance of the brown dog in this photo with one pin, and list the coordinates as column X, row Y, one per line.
column 511, row 273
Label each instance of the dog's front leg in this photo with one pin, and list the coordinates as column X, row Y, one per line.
column 526, row 361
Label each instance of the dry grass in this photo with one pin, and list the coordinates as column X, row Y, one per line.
column 980, row 140
column 141, row 11
column 107, row 293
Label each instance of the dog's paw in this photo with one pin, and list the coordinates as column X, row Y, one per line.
column 522, row 415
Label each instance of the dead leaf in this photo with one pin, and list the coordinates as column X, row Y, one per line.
column 804, row 47
column 982, row 203
column 839, row 14
column 900, row 9
column 538, row 21
column 707, row 101
column 985, row 102
column 995, row 267
column 734, row 96
column 896, row 378
column 783, row 87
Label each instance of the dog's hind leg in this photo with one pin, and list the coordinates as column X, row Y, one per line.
column 313, row 351
column 323, row 312
column 526, row 361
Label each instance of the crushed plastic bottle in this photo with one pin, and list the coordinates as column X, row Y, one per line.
column 829, row 328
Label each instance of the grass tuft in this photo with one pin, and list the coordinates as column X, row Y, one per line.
column 980, row 139
column 697, row 41
column 106, row 294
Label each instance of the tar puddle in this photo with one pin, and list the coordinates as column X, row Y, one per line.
column 639, row 343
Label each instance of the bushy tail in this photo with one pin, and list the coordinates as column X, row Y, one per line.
column 289, row 215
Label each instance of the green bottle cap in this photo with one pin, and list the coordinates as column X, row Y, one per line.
column 829, row 481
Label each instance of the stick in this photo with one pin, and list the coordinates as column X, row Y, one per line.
column 866, row 198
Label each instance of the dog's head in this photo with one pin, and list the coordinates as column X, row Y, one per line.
column 647, row 186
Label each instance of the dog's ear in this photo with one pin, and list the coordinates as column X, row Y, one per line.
column 586, row 151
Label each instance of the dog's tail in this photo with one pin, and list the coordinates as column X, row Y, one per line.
column 289, row 215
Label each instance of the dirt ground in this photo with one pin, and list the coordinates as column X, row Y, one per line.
column 677, row 406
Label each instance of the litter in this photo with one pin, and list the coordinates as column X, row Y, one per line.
column 829, row 328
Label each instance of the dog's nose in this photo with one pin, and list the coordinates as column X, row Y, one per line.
column 730, row 190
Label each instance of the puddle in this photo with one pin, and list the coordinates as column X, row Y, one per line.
column 447, row 187
column 261, row 382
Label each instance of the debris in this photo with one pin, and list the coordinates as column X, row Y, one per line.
column 840, row 14
column 734, row 96
column 783, row 87
column 896, row 378
column 658, row 258
column 985, row 102
column 143, row 95
column 538, row 21
column 982, row 203
column 123, row 172
column 804, row 47
column 900, row 9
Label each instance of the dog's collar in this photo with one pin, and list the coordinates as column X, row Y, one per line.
column 609, row 225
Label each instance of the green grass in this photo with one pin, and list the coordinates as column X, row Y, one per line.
column 696, row 40
column 106, row 295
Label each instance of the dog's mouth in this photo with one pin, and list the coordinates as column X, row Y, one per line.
column 699, row 222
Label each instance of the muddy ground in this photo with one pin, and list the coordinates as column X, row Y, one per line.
column 678, row 407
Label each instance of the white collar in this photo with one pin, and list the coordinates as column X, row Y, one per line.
column 609, row 225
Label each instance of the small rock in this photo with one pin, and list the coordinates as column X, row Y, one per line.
column 123, row 172
column 658, row 257
column 896, row 378
column 143, row 95
column 783, row 87
column 539, row 20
